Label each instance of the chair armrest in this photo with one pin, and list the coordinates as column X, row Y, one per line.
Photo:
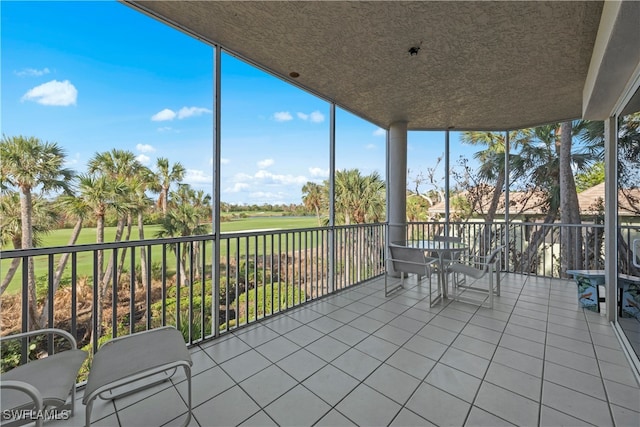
column 26, row 388
column 45, row 331
column 30, row 391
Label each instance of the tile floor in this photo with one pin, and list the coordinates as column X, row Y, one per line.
column 356, row 358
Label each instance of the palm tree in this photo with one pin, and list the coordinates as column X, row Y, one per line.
column 99, row 193
column 541, row 158
column 569, row 207
column 313, row 198
column 120, row 167
column 185, row 218
column 29, row 164
column 77, row 207
column 359, row 198
column 44, row 219
column 165, row 177
column 492, row 159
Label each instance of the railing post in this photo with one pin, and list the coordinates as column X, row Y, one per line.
column 332, row 197
column 215, row 227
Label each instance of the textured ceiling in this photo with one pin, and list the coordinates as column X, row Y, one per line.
column 481, row 65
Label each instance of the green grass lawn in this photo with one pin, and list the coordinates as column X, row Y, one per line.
column 88, row 235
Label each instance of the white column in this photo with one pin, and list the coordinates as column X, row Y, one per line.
column 397, row 181
column 447, row 173
column 611, row 215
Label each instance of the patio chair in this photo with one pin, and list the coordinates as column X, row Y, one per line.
column 452, row 256
column 476, row 268
column 120, row 366
column 412, row 260
column 42, row 384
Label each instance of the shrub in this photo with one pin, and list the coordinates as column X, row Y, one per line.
column 286, row 295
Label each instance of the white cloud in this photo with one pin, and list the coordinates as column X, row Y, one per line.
column 319, row 172
column 145, row 148
column 263, row 177
column 192, row 112
column 53, row 93
column 32, row 72
column 242, row 177
column 271, row 178
column 237, row 187
column 371, row 146
column 183, row 113
column 265, row 163
column 164, row 115
column 379, row 132
column 314, row 117
column 194, row 176
column 145, row 160
column 164, row 128
column 282, row 116
column 269, row 196
column 70, row 161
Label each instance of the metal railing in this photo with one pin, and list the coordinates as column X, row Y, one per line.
column 546, row 250
column 106, row 290
column 102, row 291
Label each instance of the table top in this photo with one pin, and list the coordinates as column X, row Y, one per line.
column 434, row 245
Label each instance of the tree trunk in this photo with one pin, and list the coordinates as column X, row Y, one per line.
column 571, row 241
column 26, row 209
column 62, row 263
column 318, row 215
column 165, row 196
column 491, row 214
column 529, row 259
column 96, row 330
column 143, row 252
column 15, row 263
column 123, row 253
column 104, row 282
column 109, row 271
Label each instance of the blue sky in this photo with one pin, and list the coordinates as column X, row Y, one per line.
column 93, row 76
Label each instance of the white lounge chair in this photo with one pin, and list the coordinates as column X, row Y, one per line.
column 124, row 361
column 41, row 384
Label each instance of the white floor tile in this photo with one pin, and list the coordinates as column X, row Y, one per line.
column 298, row 407
column 367, row 407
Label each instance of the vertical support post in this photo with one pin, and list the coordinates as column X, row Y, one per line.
column 332, row 196
column 397, row 183
column 611, row 215
column 507, row 148
column 447, row 171
column 215, row 227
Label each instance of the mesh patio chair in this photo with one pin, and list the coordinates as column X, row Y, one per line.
column 469, row 284
column 41, row 384
column 121, row 363
column 408, row 260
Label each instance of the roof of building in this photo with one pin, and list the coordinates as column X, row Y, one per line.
column 532, row 202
